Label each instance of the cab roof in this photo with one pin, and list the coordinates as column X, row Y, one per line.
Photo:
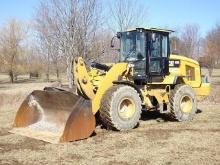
column 151, row 29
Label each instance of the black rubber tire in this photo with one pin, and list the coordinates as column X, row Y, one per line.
column 176, row 94
column 109, row 108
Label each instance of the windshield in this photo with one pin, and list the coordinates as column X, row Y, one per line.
column 132, row 46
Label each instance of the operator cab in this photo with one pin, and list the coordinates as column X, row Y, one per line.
column 148, row 50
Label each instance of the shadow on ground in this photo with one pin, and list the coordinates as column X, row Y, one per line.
column 156, row 115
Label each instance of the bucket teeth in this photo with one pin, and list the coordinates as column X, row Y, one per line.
column 55, row 116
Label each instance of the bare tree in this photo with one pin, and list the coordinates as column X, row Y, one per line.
column 126, row 14
column 212, row 49
column 187, row 41
column 34, row 60
column 71, row 25
column 45, row 29
column 66, row 13
column 11, row 40
column 88, row 25
column 2, row 61
column 175, row 44
column 101, row 50
column 190, row 41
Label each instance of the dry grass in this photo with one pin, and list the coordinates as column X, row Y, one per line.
column 155, row 141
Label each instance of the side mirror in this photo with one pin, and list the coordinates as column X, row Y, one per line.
column 112, row 42
column 118, row 35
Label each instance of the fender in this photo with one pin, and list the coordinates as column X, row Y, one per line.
column 114, row 74
column 178, row 80
column 132, row 85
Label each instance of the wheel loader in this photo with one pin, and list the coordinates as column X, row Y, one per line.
column 146, row 77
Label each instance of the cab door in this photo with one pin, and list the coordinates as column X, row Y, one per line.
column 158, row 54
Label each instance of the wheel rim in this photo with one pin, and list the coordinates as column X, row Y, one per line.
column 186, row 104
column 126, row 108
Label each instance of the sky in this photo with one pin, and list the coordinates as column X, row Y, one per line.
column 172, row 14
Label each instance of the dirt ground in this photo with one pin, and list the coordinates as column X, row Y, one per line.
column 156, row 140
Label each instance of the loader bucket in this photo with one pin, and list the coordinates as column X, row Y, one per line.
column 54, row 116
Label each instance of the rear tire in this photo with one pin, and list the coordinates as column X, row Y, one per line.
column 183, row 103
column 120, row 108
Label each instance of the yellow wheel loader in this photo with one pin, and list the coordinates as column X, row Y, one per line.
column 146, row 77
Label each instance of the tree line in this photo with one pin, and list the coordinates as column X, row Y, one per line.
column 64, row 29
column 205, row 50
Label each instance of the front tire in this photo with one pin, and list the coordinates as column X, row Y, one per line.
column 183, row 103
column 120, row 108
